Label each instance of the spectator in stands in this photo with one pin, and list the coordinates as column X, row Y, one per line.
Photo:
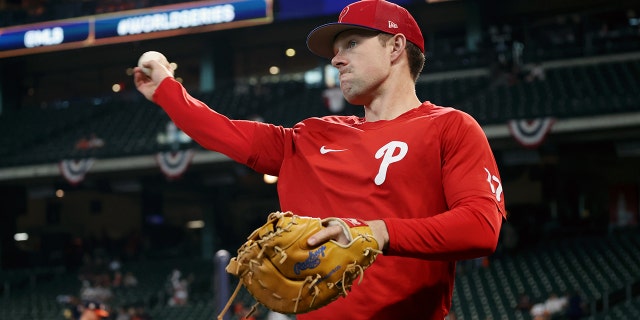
column 72, row 306
column 509, row 238
column 575, row 306
column 115, row 264
column 129, row 280
column 180, row 293
column 94, row 311
column 536, row 73
column 140, row 313
column 555, row 304
column 524, row 303
column 539, row 312
column 241, row 89
column 179, row 289
column 241, row 312
column 35, row 9
column 422, row 176
column 92, row 142
column 116, row 282
column 122, row 314
column 500, row 74
column 95, row 141
column 82, row 144
column 603, row 32
column 95, row 292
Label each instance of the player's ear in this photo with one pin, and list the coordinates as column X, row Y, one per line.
column 398, row 44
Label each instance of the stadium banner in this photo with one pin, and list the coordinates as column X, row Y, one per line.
column 134, row 25
column 174, row 164
column 74, row 170
column 530, row 133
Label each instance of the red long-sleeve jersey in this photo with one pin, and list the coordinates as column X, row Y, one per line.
column 429, row 174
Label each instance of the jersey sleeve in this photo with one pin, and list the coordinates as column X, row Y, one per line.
column 471, row 182
column 236, row 139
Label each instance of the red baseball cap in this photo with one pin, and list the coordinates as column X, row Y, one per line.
column 368, row 15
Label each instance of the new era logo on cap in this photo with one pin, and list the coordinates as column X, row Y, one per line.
column 370, row 15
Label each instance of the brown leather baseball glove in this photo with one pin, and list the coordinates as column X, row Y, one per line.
column 285, row 275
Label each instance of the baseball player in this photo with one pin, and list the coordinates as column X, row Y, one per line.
column 423, row 176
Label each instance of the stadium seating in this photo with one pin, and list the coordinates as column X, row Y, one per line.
column 42, row 298
column 605, row 270
column 131, row 127
column 37, row 297
column 627, row 310
column 600, row 269
column 601, row 88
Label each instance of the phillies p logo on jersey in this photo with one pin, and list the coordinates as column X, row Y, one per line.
column 389, row 155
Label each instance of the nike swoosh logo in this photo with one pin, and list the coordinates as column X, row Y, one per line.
column 324, row 150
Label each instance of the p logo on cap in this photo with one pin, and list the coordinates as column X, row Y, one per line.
column 343, row 13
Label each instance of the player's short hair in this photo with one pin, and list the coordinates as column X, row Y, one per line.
column 416, row 60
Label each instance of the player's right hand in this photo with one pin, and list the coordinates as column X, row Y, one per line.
column 147, row 85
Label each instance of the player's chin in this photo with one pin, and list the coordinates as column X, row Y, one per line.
column 353, row 96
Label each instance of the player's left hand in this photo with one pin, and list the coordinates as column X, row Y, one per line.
column 337, row 233
column 330, row 232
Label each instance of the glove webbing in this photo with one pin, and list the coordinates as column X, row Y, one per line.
column 278, row 250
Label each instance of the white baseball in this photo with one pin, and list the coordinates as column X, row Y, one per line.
column 152, row 55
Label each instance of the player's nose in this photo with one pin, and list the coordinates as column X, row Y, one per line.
column 338, row 59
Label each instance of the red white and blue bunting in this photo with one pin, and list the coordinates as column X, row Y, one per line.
column 174, row 164
column 74, row 171
column 530, row 133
